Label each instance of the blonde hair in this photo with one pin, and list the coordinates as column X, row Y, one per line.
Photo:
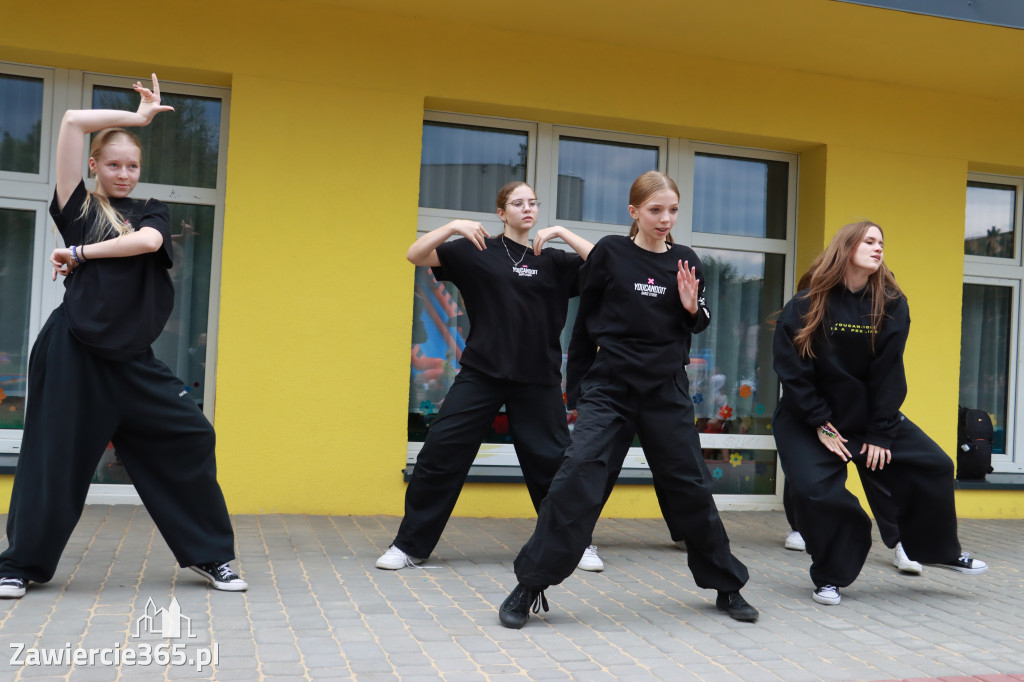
column 645, row 187
column 829, row 270
column 109, row 222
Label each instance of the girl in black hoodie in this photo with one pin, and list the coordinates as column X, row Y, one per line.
column 839, row 354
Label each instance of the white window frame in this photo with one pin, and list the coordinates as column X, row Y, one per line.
column 1007, row 272
column 64, row 89
column 675, row 157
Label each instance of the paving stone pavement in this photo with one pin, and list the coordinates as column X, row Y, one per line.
column 318, row 609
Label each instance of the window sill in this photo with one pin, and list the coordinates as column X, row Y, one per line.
column 503, row 474
column 995, row 481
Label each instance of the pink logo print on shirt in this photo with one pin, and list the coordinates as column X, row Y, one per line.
column 650, row 280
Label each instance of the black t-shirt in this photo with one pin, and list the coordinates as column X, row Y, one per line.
column 630, row 309
column 858, row 389
column 117, row 307
column 516, row 313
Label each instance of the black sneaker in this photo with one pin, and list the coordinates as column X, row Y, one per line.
column 515, row 610
column 736, row 606
column 964, row 564
column 12, row 588
column 221, row 576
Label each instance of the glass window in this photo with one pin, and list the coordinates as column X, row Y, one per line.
column 594, row 177
column 17, row 229
column 739, row 196
column 21, row 120
column 185, row 143
column 182, row 345
column 988, row 229
column 732, row 384
column 462, row 167
column 985, row 338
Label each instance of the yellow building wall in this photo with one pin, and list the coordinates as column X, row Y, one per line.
column 322, row 183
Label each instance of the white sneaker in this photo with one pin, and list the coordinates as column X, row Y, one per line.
column 905, row 563
column 590, row 561
column 394, row 559
column 964, row 564
column 827, row 594
column 795, row 541
column 12, row 588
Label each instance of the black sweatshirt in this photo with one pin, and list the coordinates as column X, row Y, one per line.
column 117, row 306
column 630, row 310
column 516, row 312
column 857, row 389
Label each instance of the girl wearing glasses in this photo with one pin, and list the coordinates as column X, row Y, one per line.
column 640, row 300
column 93, row 378
column 838, row 351
column 516, row 297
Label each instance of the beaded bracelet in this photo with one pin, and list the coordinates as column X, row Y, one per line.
column 829, row 430
column 74, row 253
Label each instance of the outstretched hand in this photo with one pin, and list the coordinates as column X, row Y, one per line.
column 686, row 278
column 149, row 104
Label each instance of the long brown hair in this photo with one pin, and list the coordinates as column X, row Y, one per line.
column 829, row 270
column 645, row 187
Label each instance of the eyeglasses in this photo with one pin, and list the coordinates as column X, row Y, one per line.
column 520, row 203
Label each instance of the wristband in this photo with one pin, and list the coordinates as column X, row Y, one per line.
column 74, row 253
column 829, row 430
column 81, row 252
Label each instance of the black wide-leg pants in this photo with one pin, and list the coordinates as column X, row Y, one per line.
column 77, row 404
column 835, row 527
column 879, row 500
column 540, row 434
column 610, row 413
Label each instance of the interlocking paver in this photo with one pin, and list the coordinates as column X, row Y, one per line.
column 317, row 609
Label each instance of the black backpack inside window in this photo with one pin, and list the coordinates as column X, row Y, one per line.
column 974, row 440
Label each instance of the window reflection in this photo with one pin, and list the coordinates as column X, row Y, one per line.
column 21, row 120
column 988, row 229
column 594, row 177
column 985, row 353
column 742, row 197
column 732, row 383
column 463, row 167
column 16, row 241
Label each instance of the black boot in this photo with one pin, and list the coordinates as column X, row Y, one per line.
column 736, row 606
column 515, row 610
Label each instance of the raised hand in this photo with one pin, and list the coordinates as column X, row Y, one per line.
column 686, row 278
column 149, row 104
column 471, row 230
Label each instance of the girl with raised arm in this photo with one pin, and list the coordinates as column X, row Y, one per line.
column 93, row 378
column 516, row 297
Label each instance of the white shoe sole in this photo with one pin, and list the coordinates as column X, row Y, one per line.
column 240, row 586
column 965, row 571
column 592, row 567
column 910, row 567
column 12, row 593
column 826, row 600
